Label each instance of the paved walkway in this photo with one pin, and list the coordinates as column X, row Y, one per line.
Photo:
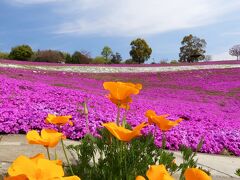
column 109, row 69
column 11, row 146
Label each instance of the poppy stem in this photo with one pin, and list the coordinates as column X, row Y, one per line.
column 48, row 153
column 124, row 119
column 86, row 115
column 118, row 114
column 163, row 140
column 65, row 154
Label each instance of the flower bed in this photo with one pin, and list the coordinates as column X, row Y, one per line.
column 207, row 100
column 4, row 61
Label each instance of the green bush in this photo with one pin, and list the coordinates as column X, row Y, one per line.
column 130, row 61
column 116, row 58
column 109, row 158
column 79, row 58
column 49, row 56
column 4, row 55
column 22, row 52
column 99, row 60
column 174, row 62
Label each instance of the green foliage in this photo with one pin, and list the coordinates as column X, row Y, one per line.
column 237, row 172
column 68, row 58
column 140, row 51
column 129, row 61
column 105, row 157
column 22, row 52
column 163, row 61
column 173, row 62
column 116, row 58
column 80, row 58
column 99, row 60
column 193, row 49
column 106, row 52
column 4, row 55
column 108, row 158
column 189, row 158
column 52, row 56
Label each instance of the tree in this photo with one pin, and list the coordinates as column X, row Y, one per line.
column 99, row 60
column 22, row 52
column 51, row 56
column 79, row 58
column 208, row 58
column 116, row 58
column 106, row 52
column 193, row 49
column 68, row 58
column 235, row 51
column 140, row 51
column 4, row 55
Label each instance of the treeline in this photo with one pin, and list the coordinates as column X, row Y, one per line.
column 192, row 50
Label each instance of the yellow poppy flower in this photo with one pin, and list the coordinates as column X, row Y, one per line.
column 59, row 120
column 161, row 120
column 122, row 133
column 120, row 92
column 36, row 168
column 196, row 174
column 48, row 138
column 156, row 172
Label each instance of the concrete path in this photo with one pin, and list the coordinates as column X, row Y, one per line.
column 11, row 146
column 109, row 69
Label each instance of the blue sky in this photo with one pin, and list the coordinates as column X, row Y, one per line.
column 89, row 25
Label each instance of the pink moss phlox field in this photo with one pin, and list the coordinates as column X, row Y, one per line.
column 4, row 61
column 207, row 100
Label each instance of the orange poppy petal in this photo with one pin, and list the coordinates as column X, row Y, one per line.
column 51, row 136
column 120, row 90
column 196, row 174
column 140, row 178
column 71, row 178
column 18, row 177
column 33, row 137
column 124, row 134
column 37, row 157
column 23, row 165
column 158, row 172
column 49, row 169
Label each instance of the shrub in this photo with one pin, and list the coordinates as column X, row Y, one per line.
column 174, row 62
column 116, row 58
column 4, row 55
column 163, row 61
column 67, row 57
column 99, row 60
column 79, row 58
column 49, row 56
column 129, row 61
column 22, row 52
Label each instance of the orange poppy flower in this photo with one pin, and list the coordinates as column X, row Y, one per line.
column 58, row 120
column 48, row 138
column 122, row 133
column 36, row 168
column 120, row 92
column 161, row 120
column 156, row 172
column 150, row 114
column 196, row 174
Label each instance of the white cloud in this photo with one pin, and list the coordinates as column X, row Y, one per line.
column 135, row 17
column 223, row 56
